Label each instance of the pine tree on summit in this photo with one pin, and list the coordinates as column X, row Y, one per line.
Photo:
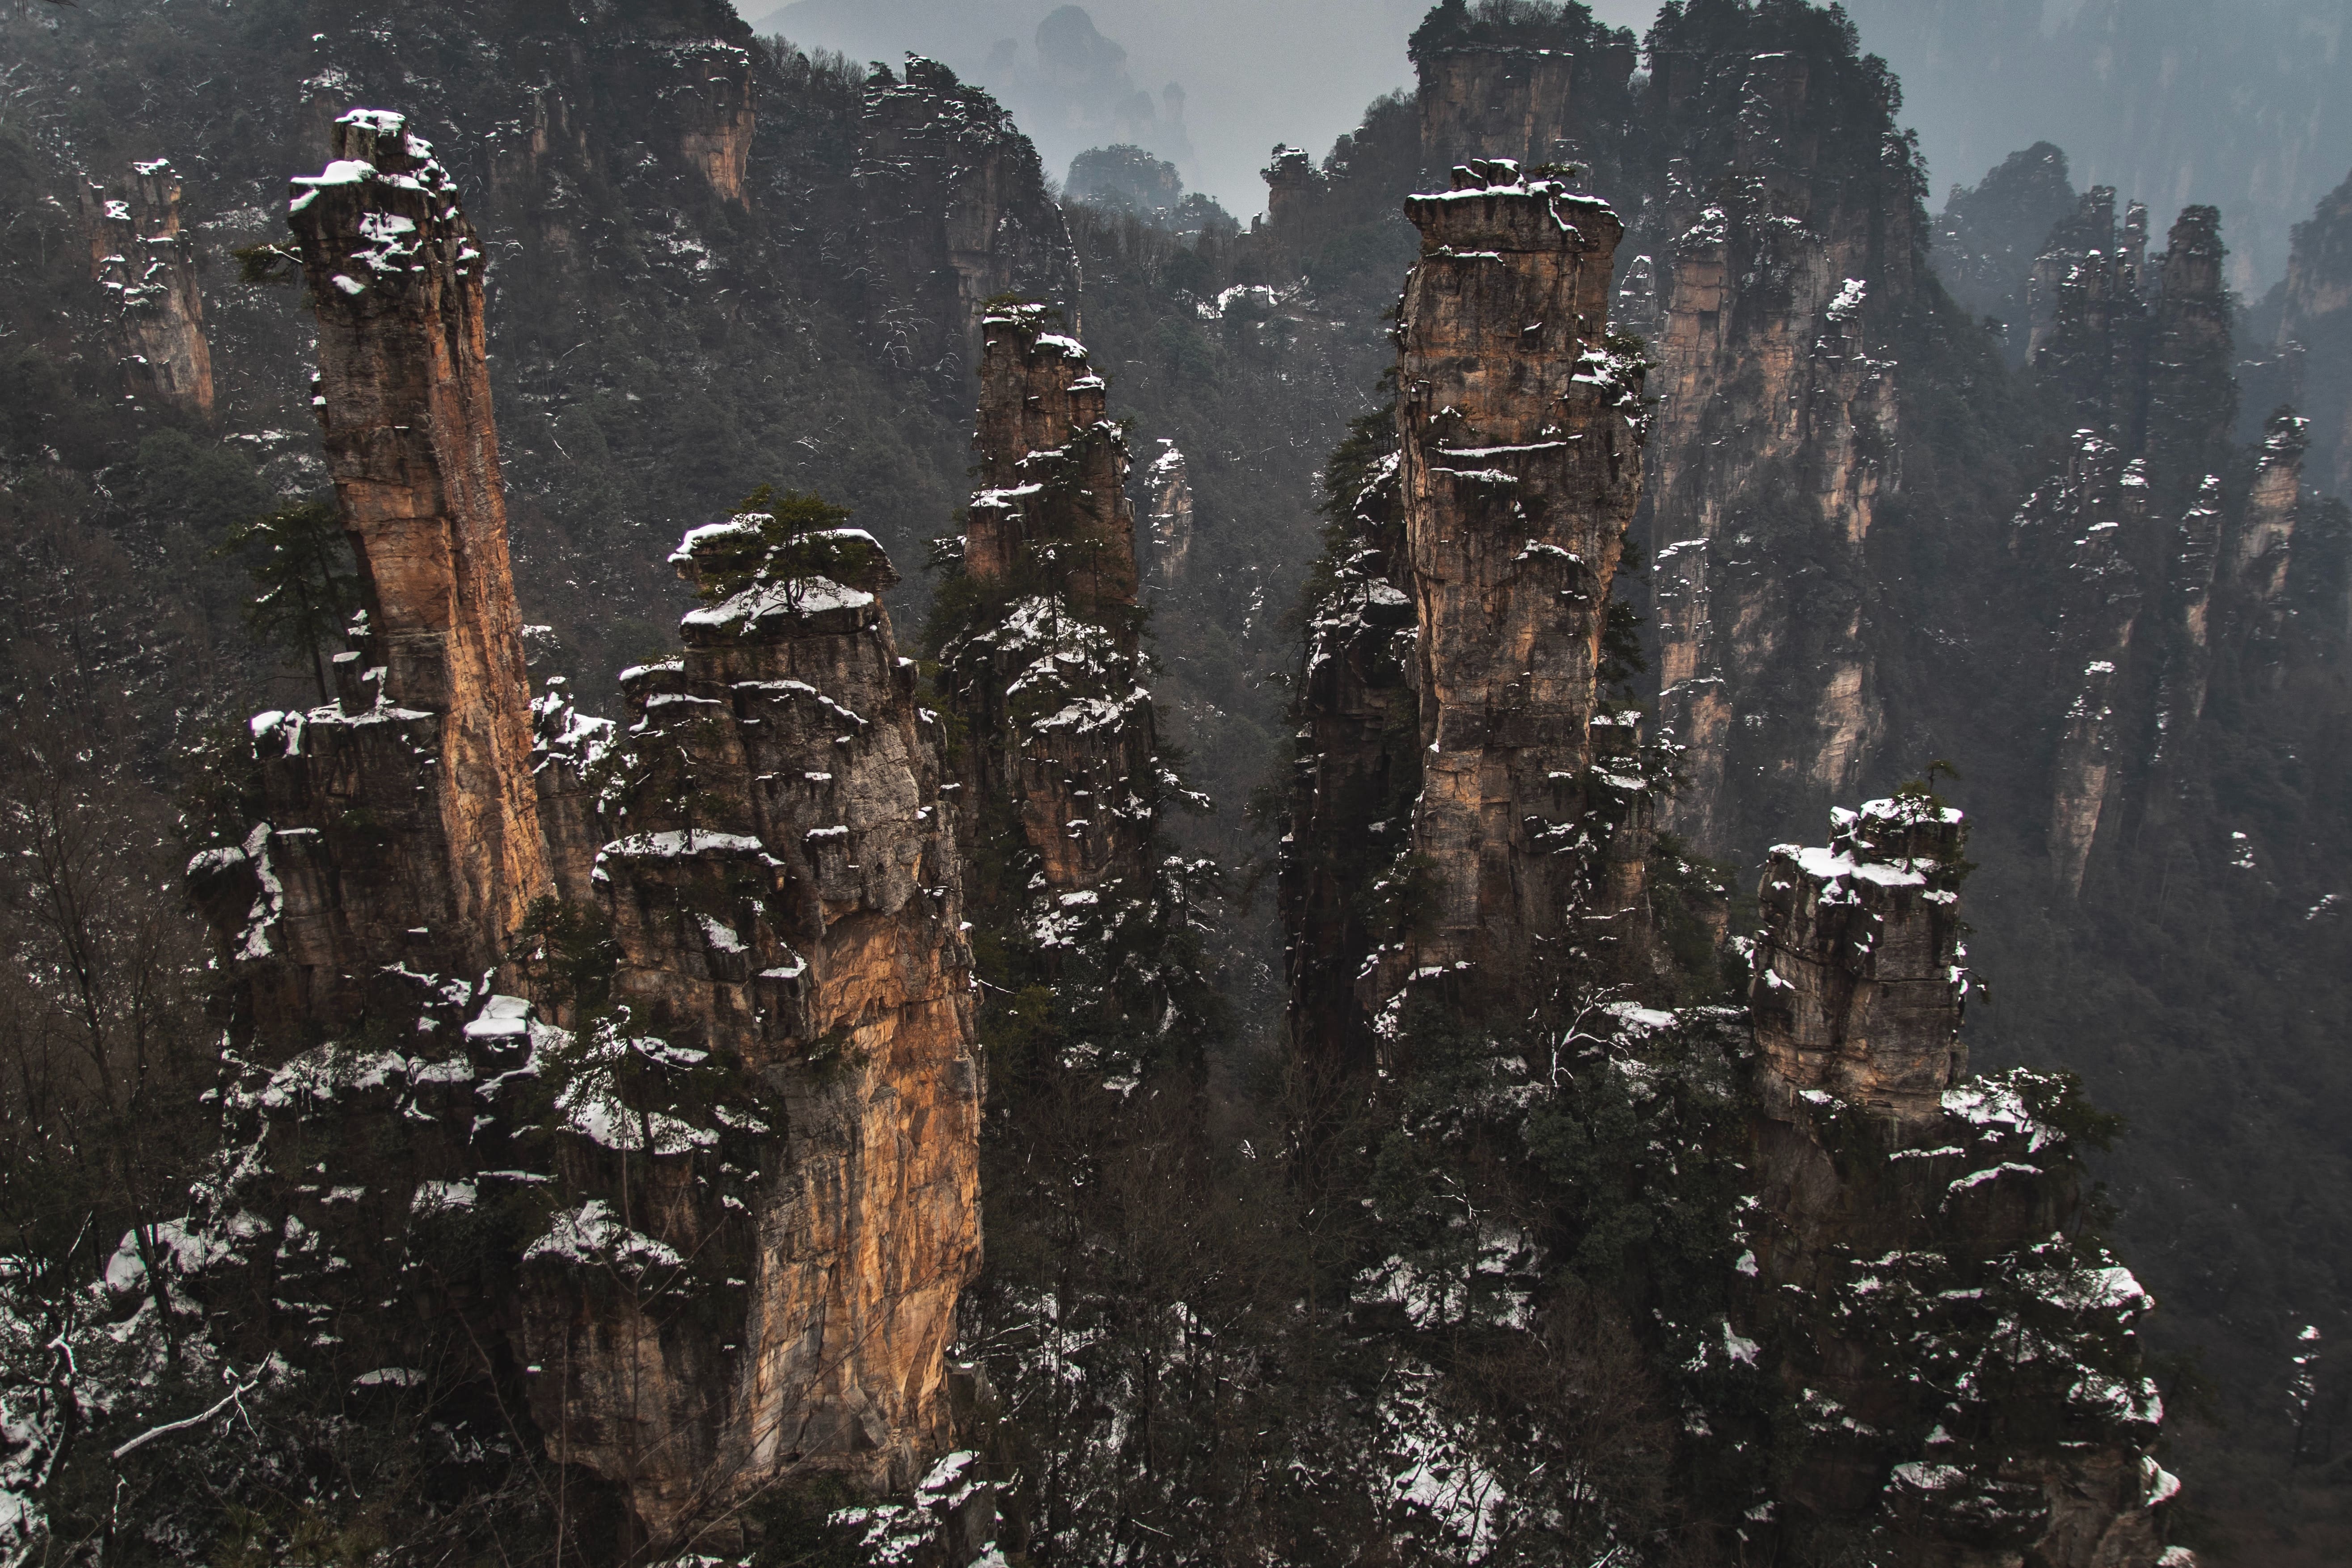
column 301, row 561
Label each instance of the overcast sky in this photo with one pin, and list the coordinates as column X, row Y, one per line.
column 1254, row 72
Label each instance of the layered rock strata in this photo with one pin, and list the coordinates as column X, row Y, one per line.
column 1519, row 435
column 148, row 269
column 681, row 1014
column 1046, row 670
column 786, row 908
column 431, row 736
column 1478, row 582
column 1963, row 1365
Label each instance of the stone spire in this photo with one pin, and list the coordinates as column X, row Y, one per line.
column 404, row 398
column 1520, row 436
column 148, row 267
column 1045, row 671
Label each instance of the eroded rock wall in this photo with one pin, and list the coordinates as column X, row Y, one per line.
column 785, row 904
column 1778, row 269
column 1520, row 465
column 624, row 1077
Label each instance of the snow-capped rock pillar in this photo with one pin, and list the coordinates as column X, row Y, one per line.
column 404, row 397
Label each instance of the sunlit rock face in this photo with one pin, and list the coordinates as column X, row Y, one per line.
column 785, row 906
column 401, row 819
column 148, row 269
column 638, row 1061
column 1493, row 536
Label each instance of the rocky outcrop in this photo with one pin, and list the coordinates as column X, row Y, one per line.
column 2090, row 532
column 148, row 269
column 2193, row 396
column 1777, row 418
column 1540, row 90
column 679, row 1018
column 404, row 398
column 1045, row 666
column 713, row 100
column 784, row 907
column 1473, row 600
column 962, row 211
column 1963, row 1364
column 1169, row 493
column 2265, row 542
column 2086, row 300
column 1519, row 466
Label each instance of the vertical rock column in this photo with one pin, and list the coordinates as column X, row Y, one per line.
column 403, row 395
column 1520, row 436
column 149, row 269
column 799, row 1204
column 1963, row 1370
column 1045, row 671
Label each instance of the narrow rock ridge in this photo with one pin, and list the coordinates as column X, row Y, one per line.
column 948, row 175
column 1044, row 671
column 1912, row 1220
column 725, row 1128
column 148, row 269
column 1519, row 433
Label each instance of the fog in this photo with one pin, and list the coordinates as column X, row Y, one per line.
column 2234, row 102
column 1253, row 72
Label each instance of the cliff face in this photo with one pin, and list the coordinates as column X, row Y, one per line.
column 1044, row 671
column 968, row 217
column 1913, row 1220
column 1775, row 439
column 678, row 1018
column 148, row 269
